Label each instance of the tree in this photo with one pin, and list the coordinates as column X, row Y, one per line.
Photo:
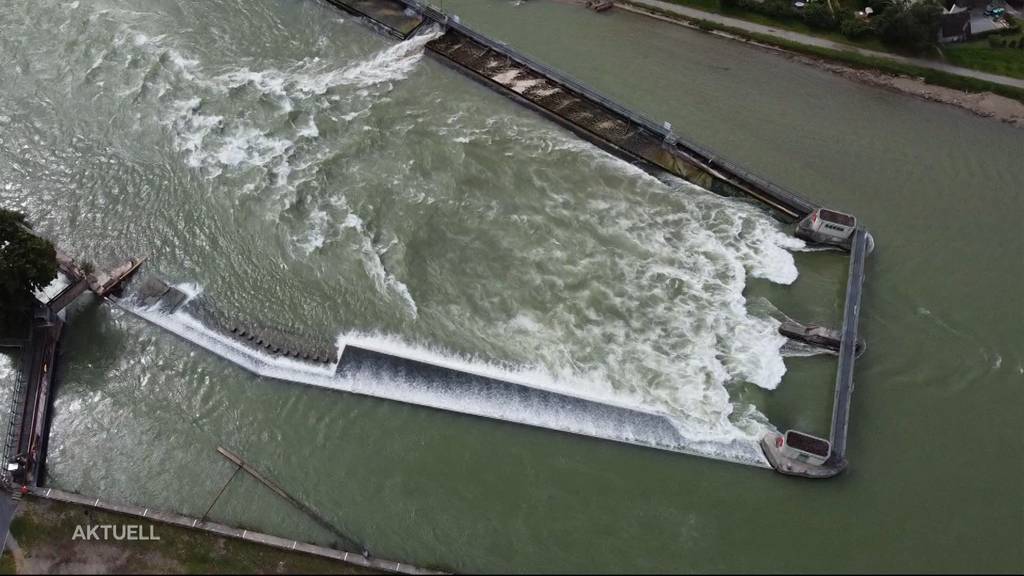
column 27, row 263
column 910, row 24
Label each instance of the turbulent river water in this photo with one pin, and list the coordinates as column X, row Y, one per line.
column 298, row 170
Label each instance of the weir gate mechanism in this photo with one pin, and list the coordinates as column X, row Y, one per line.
column 362, row 368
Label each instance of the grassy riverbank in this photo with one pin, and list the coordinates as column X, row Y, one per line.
column 42, row 532
column 999, row 55
column 1006, row 59
column 792, row 24
column 850, row 58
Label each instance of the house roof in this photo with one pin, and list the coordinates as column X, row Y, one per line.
column 955, row 24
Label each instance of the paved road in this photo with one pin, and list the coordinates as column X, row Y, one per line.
column 693, row 13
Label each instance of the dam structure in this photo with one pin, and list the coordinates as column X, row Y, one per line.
column 365, row 366
column 658, row 150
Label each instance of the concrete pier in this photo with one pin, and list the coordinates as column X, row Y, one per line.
column 391, row 16
column 28, row 427
column 848, row 347
column 773, row 444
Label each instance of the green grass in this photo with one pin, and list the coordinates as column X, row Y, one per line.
column 976, row 55
column 791, row 24
column 44, row 529
column 856, row 60
column 979, row 55
column 929, row 76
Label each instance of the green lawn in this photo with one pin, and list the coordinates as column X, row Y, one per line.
column 979, row 55
column 44, row 530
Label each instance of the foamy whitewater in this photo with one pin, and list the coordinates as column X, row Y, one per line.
column 479, row 236
column 635, row 426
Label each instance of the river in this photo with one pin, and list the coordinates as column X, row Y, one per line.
column 294, row 168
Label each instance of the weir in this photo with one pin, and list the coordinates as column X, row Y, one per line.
column 656, row 148
column 362, row 368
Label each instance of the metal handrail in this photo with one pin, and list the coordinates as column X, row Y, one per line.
column 16, row 407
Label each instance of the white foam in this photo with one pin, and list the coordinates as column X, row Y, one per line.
column 673, row 270
column 221, row 144
column 310, row 130
column 315, row 235
column 491, row 404
column 191, row 290
column 312, row 77
column 383, row 279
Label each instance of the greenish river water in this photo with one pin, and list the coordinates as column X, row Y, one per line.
column 299, row 170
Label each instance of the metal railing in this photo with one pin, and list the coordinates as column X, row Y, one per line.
column 16, row 408
column 848, row 347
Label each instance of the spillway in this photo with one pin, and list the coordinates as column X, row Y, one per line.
column 367, row 367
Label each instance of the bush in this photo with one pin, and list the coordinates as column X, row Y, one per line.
column 705, row 25
column 1014, row 24
column 854, row 28
column 773, row 8
column 817, row 15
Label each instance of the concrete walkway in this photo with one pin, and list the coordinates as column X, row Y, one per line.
column 693, row 13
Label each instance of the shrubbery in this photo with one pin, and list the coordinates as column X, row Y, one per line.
column 818, row 15
column 909, row 24
column 855, row 28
